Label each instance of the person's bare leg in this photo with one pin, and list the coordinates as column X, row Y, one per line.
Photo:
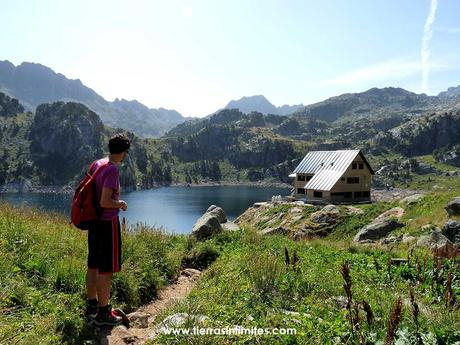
column 91, row 283
column 104, row 283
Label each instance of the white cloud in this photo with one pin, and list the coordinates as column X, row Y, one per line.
column 425, row 51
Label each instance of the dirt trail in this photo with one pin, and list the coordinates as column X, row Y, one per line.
column 166, row 298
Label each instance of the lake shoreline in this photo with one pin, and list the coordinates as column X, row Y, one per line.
column 22, row 188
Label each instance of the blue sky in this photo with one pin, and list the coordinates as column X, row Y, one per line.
column 195, row 56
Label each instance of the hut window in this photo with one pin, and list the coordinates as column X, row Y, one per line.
column 361, row 166
column 354, row 165
column 317, row 194
column 352, row 180
column 300, row 178
column 357, row 194
column 347, row 195
column 300, row 191
column 366, row 194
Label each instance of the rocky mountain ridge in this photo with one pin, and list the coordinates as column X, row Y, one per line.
column 260, row 104
column 33, row 84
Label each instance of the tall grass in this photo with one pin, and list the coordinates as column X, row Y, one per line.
column 42, row 275
column 254, row 284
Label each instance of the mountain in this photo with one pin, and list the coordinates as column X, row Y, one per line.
column 33, row 84
column 422, row 135
column 260, row 104
column 451, row 92
column 373, row 102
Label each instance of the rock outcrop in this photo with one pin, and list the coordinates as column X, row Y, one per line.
column 452, row 231
column 210, row 223
column 441, row 246
column 376, row 231
column 395, row 212
column 327, row 216
column 206, row 226
column 453, row 207
column 218, row 212
column 412, row 199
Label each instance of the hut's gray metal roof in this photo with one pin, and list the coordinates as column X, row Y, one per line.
column 315, row 161
column 327, row 167
column 324, row 180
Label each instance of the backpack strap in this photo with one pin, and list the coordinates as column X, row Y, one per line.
column 92, row 173
column 99, row 169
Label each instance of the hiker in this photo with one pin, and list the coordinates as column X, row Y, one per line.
column 104, row 237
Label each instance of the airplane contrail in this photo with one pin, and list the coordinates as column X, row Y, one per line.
column 425, row 51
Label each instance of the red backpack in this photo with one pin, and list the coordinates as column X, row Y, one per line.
column 85, row 208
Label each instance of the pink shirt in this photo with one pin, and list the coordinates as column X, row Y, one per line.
column 108, row 177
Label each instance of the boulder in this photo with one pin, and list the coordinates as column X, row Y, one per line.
column 119, row 332
column 395, row 212
column 230, row 226
column 441, row 246
column 423, row 168
column 376, row 231
column 138, row 319
column 275, row 231
column 331, row 208
column 453, row 207
column 218, row 212
column 412, row 199
column 353, row 210
column 323, row 219
column 206, row 226
column 327, row 216
column 452, row 231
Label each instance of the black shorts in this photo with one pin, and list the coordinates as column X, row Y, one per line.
column 104, row 246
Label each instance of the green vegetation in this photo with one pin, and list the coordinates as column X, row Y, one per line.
column 253, row 284
column 42, row 275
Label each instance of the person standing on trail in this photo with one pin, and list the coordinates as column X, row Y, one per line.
column 104, row 236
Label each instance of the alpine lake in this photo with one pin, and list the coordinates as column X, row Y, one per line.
column 174, row 209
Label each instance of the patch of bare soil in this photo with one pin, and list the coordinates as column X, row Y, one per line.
column 137, row 334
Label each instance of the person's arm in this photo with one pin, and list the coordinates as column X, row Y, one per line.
column 110, row 185
column 107, row 201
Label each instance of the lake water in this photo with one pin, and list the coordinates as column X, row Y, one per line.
column 176, row 209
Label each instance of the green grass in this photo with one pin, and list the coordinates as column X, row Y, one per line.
column 42, row 275
column 252, row 286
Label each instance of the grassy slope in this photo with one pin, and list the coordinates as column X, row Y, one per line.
column 42, row 268
column 250, row 285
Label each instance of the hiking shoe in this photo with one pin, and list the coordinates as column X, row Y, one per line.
column 107, row 317
column 91, row 310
